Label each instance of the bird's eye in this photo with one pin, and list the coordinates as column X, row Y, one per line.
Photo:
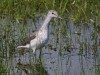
column 52, row 13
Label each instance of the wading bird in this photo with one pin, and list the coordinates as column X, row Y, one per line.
column 39, row 38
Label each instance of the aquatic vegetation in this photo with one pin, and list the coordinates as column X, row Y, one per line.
column 2, row 67
column 75, row 10
column 75, row 40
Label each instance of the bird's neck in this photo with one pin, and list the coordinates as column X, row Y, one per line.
column 46, row 22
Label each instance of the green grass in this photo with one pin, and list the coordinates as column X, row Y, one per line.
column 2, row 68
column 15, row 11
column 75, row 10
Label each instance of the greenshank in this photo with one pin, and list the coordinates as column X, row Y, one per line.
column 39, row 38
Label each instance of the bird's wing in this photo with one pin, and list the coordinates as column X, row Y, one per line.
column 28, row 39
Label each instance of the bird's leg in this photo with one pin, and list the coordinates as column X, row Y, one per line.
column 34, row 55
column 26, row 46
column 40, row 55
column 33, row 50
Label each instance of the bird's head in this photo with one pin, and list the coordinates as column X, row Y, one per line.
column 53, row 13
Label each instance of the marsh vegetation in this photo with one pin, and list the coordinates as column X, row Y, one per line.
column 74, row 45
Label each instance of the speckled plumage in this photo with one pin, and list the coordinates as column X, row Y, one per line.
column 39, row 38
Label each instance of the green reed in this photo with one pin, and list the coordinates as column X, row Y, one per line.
column 22, row 10
column 76, row 10
column 2, row 70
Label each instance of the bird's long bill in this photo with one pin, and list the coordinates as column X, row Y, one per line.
column 59, row 17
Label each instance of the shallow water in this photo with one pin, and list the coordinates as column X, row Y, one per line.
column 77, row 51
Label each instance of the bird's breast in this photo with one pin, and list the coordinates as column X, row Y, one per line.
column 43, row 36
column 41, row 39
